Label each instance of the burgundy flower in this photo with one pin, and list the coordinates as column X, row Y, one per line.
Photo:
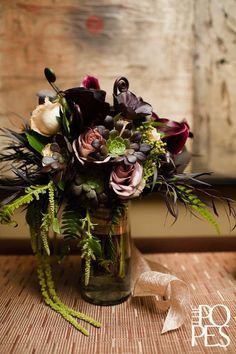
column 90, row 82
column 127, row 181
column 89, row 147
column 175, row 133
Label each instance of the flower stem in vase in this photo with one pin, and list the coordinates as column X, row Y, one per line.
column 109, row 280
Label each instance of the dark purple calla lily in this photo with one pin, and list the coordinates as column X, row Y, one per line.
column 175, row 133
column 88, row 106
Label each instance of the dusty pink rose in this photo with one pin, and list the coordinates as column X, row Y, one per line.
column 87, row 139
column 127, row 181
column 87, row 143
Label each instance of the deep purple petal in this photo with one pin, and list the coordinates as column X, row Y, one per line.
column 92, row 105
column 132, row 106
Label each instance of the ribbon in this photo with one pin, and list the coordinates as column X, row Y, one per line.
column 172, row 293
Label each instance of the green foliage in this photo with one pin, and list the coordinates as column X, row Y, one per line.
column 49, row 219
column 44, row 230
column 34, row 220
column 111, row 249
column 31, row 193
column 71, row 223
column 186, row 195
column 117, row 117
column 118, row 211
column 71, row 228
column 158, row 149
column 122, row 257
column 39, row 219
column 53, row 208
column 36, row 141
column 90, row 246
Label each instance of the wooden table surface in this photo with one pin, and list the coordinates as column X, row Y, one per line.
column 29, row 326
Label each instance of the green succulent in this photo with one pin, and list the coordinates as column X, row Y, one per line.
column 117, row 146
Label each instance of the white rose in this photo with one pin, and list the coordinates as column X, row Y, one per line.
column 154, row 135
column 44, row 119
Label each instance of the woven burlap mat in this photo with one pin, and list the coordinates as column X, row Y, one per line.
column 28, row 326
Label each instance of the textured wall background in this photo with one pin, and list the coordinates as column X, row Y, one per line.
column 215, row 85
column 150, row 42
column 178, row 55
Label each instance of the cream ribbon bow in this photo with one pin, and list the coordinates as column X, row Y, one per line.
column 152, row 279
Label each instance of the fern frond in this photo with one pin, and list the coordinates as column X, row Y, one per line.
column 207, row 215
column 71, row 223
column 31, row 193
column 34, row 220
column 186, row 195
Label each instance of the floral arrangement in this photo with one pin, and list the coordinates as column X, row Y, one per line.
column 78, row 153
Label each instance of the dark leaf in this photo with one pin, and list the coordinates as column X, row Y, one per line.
column 131, row 106
column 154, row 178
column 10, row 198
column 214, row 208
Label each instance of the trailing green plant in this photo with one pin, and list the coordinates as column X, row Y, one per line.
column 52, row 300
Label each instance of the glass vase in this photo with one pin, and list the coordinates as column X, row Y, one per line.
column 110, row 273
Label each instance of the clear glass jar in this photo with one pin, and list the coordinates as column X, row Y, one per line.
column 110, row 274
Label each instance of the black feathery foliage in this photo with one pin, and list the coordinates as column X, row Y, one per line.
column 198, row 196
column 22, row 160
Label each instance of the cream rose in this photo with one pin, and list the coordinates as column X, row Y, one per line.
column 44, row 119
